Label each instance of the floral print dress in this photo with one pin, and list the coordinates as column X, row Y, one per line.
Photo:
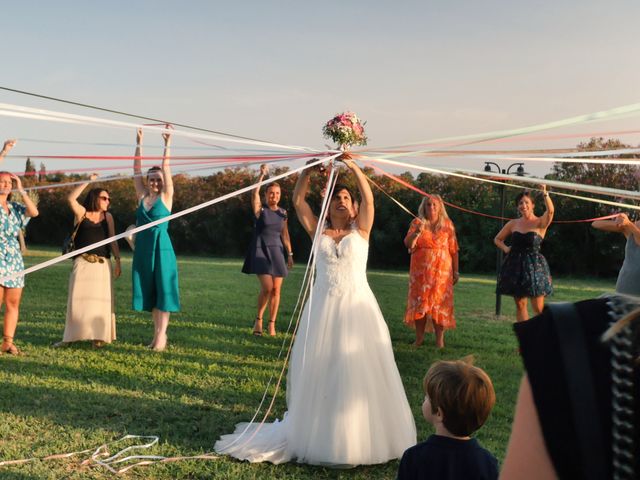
column 10, row 254
column 525, row 271
column 431, row 277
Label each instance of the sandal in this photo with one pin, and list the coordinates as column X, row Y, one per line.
column 11, row 348
column 257, row 327
column 272, row 328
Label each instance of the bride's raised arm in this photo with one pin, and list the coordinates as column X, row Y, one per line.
column 364, row 220
column 305, row 215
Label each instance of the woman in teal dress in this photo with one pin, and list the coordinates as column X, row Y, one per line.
column 155, row 271
column 13, row 217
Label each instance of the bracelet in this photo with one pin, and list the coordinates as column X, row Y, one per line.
column 291, row 254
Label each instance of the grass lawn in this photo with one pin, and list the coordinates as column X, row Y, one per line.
column 214, row 373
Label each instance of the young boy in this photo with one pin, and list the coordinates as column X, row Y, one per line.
column 458, row 400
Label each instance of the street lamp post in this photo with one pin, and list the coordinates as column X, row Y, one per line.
column 488, row 167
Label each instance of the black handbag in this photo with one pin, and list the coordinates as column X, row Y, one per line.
column 69, row 243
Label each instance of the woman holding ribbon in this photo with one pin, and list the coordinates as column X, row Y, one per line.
column 13, row 217
column 525, row 272
column 433, row 246
column 270, row 256
column 629, row 276
column 155, row 270
column 90, row 305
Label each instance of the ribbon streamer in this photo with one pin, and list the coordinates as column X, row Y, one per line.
column 570, row 186
column 40, row 114
column 612, row 113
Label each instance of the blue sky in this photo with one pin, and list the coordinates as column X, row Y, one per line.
column 277, row 70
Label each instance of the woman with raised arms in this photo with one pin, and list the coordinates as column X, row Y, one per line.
column 155, row 270
column 346, row 402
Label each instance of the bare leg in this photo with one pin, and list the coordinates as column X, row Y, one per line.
column 266, row 287
column 522, row 313
column 11, row 312
column 156, row 326
column 439, row 329
column 161, row 333
column 420, row 326
column 274, row 303
column 538, row 304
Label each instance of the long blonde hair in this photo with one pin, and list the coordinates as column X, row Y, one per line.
column 443, row 217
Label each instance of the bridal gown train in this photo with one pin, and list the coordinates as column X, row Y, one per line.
column 346, row 402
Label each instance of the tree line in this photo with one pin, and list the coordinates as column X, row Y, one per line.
column 225, row 229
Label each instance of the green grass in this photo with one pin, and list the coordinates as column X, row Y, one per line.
column 214, row 373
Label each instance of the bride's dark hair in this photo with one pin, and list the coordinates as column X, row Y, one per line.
column 339, row 187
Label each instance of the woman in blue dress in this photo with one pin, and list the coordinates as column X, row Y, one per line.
column 525, row 272
column 13, row 217
column 270, row 256
column 155, row 271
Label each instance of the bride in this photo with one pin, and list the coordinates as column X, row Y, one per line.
column 345, row 399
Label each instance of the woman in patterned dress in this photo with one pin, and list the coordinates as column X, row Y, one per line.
column 525, row 272
column 270, row 255
column 433, row 246
column 13, row 217
column 155, row 270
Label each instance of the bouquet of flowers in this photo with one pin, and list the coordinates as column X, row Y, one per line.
column 346, row 130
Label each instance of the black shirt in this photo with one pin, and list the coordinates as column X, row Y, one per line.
column 90, row 232
column 445, row 458
column 543, row 360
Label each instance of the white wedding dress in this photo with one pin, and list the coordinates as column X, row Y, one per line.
column 346, row 402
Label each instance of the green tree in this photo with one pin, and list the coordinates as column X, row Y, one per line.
column 578, row 240
column 29, row 168
column 42, row 174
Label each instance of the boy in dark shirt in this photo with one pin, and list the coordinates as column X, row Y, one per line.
column 458, row 400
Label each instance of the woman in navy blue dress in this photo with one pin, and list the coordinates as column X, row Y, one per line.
column 525, row 272
column 269, row 256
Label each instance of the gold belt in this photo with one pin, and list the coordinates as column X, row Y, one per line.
column 92, row 258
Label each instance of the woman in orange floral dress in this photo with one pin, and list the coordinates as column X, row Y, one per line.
column 433, row 247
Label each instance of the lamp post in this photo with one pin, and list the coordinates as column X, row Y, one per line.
column 488, row 167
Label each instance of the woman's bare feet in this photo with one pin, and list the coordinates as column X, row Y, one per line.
column 161, row 344
column 9, row 347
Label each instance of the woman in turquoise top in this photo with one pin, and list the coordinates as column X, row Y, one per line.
column 13, row 217
column 155, row 271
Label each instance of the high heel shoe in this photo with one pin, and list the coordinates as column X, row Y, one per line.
column 272, row 328
column 257, row 327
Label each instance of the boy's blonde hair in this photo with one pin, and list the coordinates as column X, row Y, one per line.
column 463, row 392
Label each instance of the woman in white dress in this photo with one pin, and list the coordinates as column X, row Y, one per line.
column 346, row 402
